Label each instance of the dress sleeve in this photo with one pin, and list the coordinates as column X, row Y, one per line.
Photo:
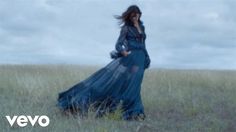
column 121, row 40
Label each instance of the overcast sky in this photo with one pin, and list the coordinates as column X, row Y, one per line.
column 181, row 34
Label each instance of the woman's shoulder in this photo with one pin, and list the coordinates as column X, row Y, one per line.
column 125, row 27
column 142, row 24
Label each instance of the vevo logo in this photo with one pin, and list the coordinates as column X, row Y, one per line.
column 23, row 120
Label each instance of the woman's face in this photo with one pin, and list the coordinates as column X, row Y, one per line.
column 135, row 17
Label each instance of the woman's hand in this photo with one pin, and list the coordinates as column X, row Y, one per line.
column 125, row 53
column 147, row 62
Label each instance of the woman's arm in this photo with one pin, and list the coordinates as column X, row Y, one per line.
column 121, row 40
column 147, row 58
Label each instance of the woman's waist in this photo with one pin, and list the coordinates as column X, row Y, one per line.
column 135, row 46
column 137, row 52
column 134, row 49
column 134, row 41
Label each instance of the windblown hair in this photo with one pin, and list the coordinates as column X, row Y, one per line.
column 126, row 17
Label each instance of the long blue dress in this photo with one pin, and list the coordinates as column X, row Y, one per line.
column 116, row 84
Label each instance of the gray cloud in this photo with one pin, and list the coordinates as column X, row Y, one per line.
column 180, row 34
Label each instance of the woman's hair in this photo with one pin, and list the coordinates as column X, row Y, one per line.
column 126, row 16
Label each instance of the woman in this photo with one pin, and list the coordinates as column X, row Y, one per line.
column 118, row 84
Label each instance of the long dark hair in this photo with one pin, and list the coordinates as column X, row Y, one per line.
column 125, row 18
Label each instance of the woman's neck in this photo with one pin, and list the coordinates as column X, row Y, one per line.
column 137, row 26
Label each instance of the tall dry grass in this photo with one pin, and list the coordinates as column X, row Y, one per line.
column 174, row 100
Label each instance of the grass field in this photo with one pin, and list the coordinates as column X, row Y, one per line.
column 174, row 100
